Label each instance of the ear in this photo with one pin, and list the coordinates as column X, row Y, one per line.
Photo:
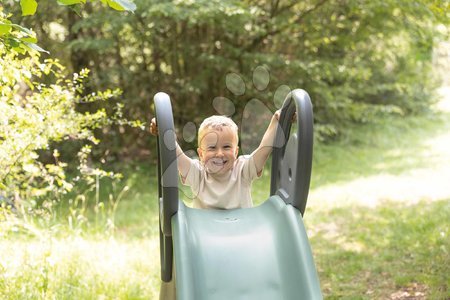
column 200, row 153
column 237, row 151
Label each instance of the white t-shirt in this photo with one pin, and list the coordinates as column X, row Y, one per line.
column 227, row 191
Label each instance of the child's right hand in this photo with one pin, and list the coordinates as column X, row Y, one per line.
column 153, row 127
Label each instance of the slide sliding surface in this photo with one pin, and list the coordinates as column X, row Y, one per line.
column 255, row 253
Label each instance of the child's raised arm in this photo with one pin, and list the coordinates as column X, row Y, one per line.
column 261, row 154
column 183, row 161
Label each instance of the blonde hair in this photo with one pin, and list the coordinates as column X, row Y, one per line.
column 216, row 123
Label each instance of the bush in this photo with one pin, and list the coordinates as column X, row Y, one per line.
column 34, row 116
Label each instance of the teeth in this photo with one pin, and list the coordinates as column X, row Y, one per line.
column 218, row 162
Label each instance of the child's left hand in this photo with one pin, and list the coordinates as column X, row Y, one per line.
column 277, row 114
column 153, row 127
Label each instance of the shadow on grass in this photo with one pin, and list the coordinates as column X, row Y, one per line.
column 393, row 146
column 366, row 253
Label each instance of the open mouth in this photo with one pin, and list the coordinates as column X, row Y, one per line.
column 218, row 162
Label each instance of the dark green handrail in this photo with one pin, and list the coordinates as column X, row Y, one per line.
column 292, row 160
column 167, row 180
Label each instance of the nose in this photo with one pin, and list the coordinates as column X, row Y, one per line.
column 219, row 153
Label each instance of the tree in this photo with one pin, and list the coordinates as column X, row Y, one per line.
column 358, row 59
column 41, row 108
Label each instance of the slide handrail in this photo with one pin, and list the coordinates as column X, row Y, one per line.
column 292, row 154
column 291, row 164
column 167, row 180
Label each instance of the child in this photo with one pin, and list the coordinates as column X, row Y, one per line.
column 221, row 179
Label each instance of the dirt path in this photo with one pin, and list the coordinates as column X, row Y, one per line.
column 429, row 184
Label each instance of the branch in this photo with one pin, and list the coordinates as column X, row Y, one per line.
column 299, row 19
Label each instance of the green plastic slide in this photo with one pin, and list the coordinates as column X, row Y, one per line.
column 256, row 253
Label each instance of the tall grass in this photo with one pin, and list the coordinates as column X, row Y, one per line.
column 98, row 245
column 79, row 268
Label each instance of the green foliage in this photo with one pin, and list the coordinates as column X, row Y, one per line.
column 357, row 59
column 41, row 111
column 16, row 37
column 23, row 39
column 29, row 7
column 34, row 117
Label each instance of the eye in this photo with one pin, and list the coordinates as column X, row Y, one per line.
column 227, row 147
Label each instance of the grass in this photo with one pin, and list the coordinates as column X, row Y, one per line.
column 369, row 240
column 393, row 145
column 79, row 269
column 374, row 253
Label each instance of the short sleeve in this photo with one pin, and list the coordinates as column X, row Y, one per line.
column 192, row 178
column 249, row 172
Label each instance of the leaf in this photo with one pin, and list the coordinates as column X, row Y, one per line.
column 23, row 29
column 29, row 39
column 76, row 9
column 5, row 28
column 13, row 42
column 28, row 7
column 122, row 5
column 70, row 2
column 35, row 47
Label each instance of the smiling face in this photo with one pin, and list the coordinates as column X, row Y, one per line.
column 218, row 149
